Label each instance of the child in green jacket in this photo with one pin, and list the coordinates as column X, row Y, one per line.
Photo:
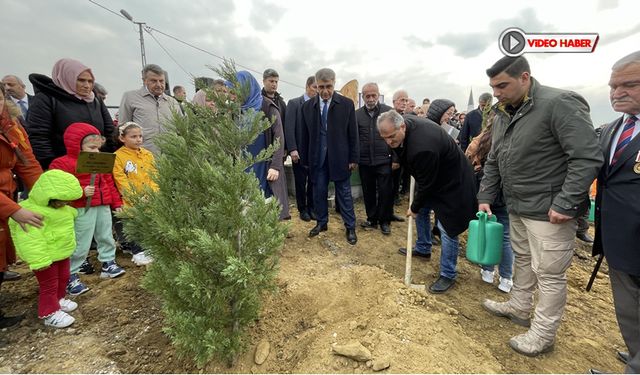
column 47, row 249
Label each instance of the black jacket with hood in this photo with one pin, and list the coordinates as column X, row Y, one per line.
column 53, row 110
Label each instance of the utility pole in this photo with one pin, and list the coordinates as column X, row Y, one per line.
column 142, row 52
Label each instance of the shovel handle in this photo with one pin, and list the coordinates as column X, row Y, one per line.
column 93, row 181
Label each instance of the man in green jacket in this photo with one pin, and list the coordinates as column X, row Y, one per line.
column 545, row 155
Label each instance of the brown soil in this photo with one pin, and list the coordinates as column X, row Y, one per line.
column 330, row 292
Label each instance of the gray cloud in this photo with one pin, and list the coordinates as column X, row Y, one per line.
column 614, row 37
column 264, row 15
column 415, row 41
column 607, row 4
column 473, row 44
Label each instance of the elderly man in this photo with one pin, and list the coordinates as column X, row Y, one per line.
column 329, row 148
column 375, row 162
column 618, row 203
column 149, row 106
column 17, row 91
column 444, row 179
column 293, row 134
column 544, row 155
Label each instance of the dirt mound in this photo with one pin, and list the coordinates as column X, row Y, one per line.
column 329, row 293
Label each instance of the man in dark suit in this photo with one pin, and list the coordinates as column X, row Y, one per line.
column 293, row 134
column 617, row 215
column 17, row 91
column 444, row 179
column 375, row 162
column 330, row 149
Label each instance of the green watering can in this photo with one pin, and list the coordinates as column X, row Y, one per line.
column 484, row 243
column 592, row 211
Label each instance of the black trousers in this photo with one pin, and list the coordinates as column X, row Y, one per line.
column 377, row 192
column 304, row 189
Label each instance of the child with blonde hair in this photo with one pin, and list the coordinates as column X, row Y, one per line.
column 47, row 249
column 95, row 221
column 132, row 173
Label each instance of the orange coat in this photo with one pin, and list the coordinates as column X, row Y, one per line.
column 12, row 134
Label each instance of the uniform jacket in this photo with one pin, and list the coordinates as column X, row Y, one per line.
column 544, row 156
column 444, row 177
column 106, row 193
column 53, row 110
column 342, row 137
column 56, row 240
column 617, row 216
column 132, row 169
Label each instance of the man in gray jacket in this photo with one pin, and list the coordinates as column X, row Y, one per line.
column 545, row 155
column 149, row 106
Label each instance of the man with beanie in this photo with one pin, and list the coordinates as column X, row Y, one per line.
column 544, row 155
column 444, row 181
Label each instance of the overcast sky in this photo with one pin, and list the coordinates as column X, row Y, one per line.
column 435, row 49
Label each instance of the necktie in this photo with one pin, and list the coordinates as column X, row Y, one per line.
column 625, row 138
column 23, row 108
column 325, row 111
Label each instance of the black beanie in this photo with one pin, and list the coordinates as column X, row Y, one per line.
column 438, row 108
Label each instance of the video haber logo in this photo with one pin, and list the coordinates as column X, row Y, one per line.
column 514, row 42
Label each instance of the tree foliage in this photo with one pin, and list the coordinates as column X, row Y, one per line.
column 214, row 237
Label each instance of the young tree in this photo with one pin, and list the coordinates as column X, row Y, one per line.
column 213, row 236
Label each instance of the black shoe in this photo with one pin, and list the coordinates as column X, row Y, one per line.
column 584, row 237
column 395, row 217
column 369, row 224
column 623, row 357
column 385, row 228
column 441, row 285
column 304, row 216
column 11, row 276
column 86, row 268
column 351, row 236
column 312, row 215
column 9, row 321
column 415, row 253
column 317, row 229
column 596, row 371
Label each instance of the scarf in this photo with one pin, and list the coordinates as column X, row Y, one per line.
column 254, row 96
column 65, row 74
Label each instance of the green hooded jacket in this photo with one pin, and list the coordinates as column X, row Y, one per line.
column 56, row 240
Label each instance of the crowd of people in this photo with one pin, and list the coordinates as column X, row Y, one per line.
column 528, row 159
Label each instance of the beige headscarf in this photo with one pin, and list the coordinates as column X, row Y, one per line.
column 65, row 74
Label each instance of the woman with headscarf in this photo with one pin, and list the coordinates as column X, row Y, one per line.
column 270, row 173
column 16, row 158
column 61, row 100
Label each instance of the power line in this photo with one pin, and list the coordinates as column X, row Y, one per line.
column 169, row 54
column 149, row 29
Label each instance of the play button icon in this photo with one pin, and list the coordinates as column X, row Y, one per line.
column 512, row 42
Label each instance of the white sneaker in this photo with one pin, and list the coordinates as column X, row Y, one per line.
column 141, row 259
column 505, row 284
column 59, row 319
column 487, row 276
column 67, row 305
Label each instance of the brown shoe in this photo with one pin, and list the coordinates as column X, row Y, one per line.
column 530, row 344
column 504, row 309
